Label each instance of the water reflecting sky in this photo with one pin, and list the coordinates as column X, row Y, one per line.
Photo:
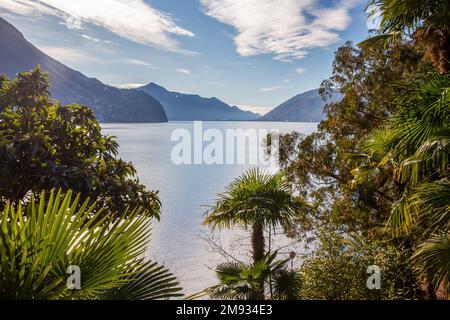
column 177, row 240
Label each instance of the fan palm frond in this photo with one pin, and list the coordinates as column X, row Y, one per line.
column 147, row 281
column 38, row 245
column 255, row 197
column 245, row 281
column 433, row 258
column 433, row 199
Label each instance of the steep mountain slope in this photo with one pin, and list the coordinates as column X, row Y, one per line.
column 110, row 104
column 304, row 107
column 188, row 107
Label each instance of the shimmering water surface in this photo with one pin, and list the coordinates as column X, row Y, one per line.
column 178, row 240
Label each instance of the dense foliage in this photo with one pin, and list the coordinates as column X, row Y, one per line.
column 376, row 172
column 337, row 270
column 412, row 149
column 426, row 22
column 44, row 146
column 266, row 278
column 381, row 157
column 319, row 165
column 39, row 242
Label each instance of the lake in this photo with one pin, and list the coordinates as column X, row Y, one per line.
column 179, row 240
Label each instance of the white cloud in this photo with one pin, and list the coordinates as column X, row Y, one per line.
column 269, row 89
column 288, row 29
column 184, row 71
column 130, row 85
column 137, row 62
column 68, row 55
column 300, row 70
column 26, row 7
column 85, row 36
column 134, row 20
column 255, row 109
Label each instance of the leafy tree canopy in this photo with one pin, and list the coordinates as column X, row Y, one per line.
column 44, row 146
column 320, row 165
column 337, row 270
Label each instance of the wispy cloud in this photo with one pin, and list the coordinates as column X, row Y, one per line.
column 129, row 85
column 137, row 62
column 255, row 109
column 269, row 89
column 184, row 71
column 26, row 7
column 300, row 70
column 134, row 20
column 288, row 29
column 68, row 55
column 87, row 37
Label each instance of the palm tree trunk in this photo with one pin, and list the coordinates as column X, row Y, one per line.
column 258, row 253
column 441, row 54
column 270, row 274
column 258, row 242
column 431, row 292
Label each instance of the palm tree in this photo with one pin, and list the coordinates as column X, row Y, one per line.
column 414, row 148
column 257, row 200
column 432, row 260
column 243, row 282
column 38, row 244
column 427, row 22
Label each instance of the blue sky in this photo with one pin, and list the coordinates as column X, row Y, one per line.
column 252, row 53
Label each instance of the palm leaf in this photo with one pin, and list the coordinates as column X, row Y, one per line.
column 148, row 281
column 255, row 197
column 38, row 244
column 433, row 258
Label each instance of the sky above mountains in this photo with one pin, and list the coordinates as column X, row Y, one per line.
column 251, row 53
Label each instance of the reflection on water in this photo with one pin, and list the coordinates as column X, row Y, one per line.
column 184, row 191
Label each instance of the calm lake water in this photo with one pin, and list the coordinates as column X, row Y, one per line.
column 178, row 240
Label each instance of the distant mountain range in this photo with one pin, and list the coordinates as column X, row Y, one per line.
column 188, row 107
column 304, row 107
column 150, row 103
column 110, row 104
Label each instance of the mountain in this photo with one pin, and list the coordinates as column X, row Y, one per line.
column 304, row 107
column 110, row 104
column 189, row 107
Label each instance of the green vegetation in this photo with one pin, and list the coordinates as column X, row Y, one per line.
column 376, row 172
column 248, row 282
column 38, row 244
column 412, row 149
column 426, row 22
column 263, row 202
column 45, row 146
column 337, row 270
column 258, row 200
column 369, row 187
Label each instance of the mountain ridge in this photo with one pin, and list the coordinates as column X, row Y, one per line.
column 149, row 103
column 109, row 104
column 190, row 107
column 303, row 107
